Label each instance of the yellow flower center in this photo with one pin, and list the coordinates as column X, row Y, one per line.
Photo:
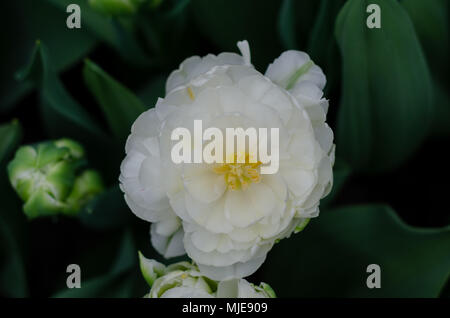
column 239, row 175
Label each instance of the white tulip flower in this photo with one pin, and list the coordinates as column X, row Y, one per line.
column 184, row 280
column 227, row 216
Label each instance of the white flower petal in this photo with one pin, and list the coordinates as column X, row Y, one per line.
column 195, row 66
column 186, row 292
column 168, row 246
column 243, row 208
column 204, row 184
column 236, row 270
column 284, row 68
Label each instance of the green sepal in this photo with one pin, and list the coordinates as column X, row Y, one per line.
column 150, row 269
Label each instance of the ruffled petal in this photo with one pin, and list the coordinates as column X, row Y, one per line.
column 168, row 246
column 243, row 208
column 293, row 67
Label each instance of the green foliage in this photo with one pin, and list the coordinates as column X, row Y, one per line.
column 13, row 281
column 225, row 22
column 120, row 281
column 108, row 30
column 322, row 45
column 341, row 173
column 67, row 46
column 119, row 105
column 295, row 22
column 107, row 211
column 386, row 103
column 63, row 115
column 430, row 19
column 329, row 258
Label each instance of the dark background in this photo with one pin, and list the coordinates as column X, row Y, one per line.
column 396, row 215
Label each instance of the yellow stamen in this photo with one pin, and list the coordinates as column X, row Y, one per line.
column 239, row 175
column 190, row 93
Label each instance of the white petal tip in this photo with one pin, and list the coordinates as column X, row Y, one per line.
column 245, row 51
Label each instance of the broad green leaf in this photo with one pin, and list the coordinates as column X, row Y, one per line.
column 430, row 19
column 120, row 106
column 154, row 89
column 169, row 33
column 13, row 282
column 107, row 29
column 48, row 24
column 295, row 22
column 10, row 135
column 341, row 173
column 98, row 24
column 119, row 281
column 36, row 20
column 107, row 211
column 102, row 286
column 56, row 100
column 225, row 22
column 64, row 117
column 322, row 45
column 330, row 257
column 441, row 124
column 386, row 107
column 123, row 285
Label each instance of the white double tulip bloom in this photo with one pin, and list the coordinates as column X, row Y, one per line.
column 227, row 217
column 183, row 280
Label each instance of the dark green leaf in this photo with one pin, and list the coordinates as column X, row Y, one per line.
column 330, row 257
column 295, row 21
column 127, row 255
column 98, row 24
column 36, row 20
column 65, row 45
column 322, row 45
column 226, row 22
column 64, row 117
column 13, row 282
column 430, row 19
column 386, row 88
column 10, row 135
column 107, row 211
column 151, row 91
column 57, row 101
column 167, row 28
column 341, row 172
column 120, row 106
column 441, row 124
column 120, row 281
column 108, row 30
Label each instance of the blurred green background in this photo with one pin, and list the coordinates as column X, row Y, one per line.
column 389, row 109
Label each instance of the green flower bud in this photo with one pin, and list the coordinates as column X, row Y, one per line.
column 75, row 149
column 116, row 7
column 175, row 281
column 45, row 178
column 85, row 188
